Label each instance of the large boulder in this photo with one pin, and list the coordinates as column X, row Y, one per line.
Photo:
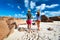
column 10, row 21
column 45, row 19
column 4, row 30
column 55, row 18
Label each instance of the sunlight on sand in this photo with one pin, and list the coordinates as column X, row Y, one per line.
column 43, row 34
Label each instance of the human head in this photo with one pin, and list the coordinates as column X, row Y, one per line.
column 38, row 12
column 29, row 10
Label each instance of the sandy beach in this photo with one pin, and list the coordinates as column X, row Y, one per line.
column 43, row 34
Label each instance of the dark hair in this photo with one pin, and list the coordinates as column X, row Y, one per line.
column 38, row 14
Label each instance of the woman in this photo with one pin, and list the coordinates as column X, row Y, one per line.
column 38, row 20
column 29, row 22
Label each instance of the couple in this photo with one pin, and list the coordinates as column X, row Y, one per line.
column 29, row 22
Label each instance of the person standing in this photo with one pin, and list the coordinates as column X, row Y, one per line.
column 29, row 22
column 38, row 19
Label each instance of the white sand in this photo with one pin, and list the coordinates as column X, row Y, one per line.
column 43, row 34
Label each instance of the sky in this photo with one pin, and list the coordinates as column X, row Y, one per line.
column 19, row 8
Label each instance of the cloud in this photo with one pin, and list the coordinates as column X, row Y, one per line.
column 18, row 7
column 10, row 5
column 43, row 6
column 32, row 5
column 40, row 0
column 52, row 6
column 34, row 16
column 47, row 11
column 26, row 3
column 36, row 13
column 53, row 13
column 22, row 11
column 38, row 7
column 15, row 15
column 20, row 16
column 9, row 15
column 42, row 13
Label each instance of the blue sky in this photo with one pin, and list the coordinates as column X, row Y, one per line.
column 18, row 8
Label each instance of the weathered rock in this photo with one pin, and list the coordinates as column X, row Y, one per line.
column 45, row 19
column 50, row 19
column 55, row 18
column 4, row 30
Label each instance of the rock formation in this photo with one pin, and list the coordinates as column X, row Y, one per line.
column 55, row 18
column 45, row 19
column 4, row 25
column 50, row 19
column 4, row 30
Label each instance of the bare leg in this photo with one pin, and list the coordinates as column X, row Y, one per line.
column 38, row 25
column 29, row 27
